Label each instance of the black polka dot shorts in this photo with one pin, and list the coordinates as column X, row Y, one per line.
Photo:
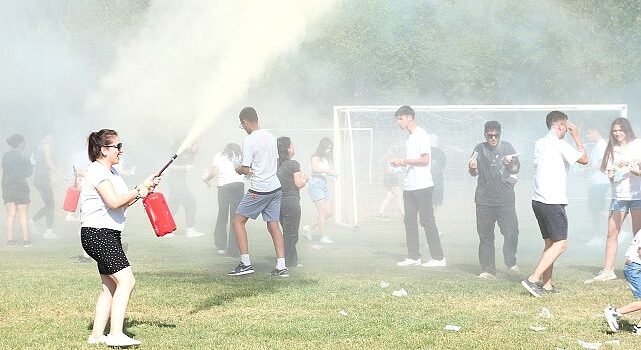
column 104, row 246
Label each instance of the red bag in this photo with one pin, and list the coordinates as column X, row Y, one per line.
column 72, row 195
column 159, row 214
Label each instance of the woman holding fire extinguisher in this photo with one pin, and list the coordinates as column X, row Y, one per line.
column 104, row 199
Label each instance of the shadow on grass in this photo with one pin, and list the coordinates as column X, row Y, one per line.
column 129, row 323
column 228, row 289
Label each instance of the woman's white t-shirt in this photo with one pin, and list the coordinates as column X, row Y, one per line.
column 94, row 212
column 226, row 172
column 628, row 185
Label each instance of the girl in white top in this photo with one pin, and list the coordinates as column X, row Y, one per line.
column 104, row 199
column 319, row 190
column 620, row 162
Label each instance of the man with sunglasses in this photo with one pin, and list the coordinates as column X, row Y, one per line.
column 497, row 167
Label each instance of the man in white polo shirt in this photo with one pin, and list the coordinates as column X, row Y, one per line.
column 552, row 158
column 418, row 188
column 260, row 157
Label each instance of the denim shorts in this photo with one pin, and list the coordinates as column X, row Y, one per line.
column 632, row 273
column 317, row 188
column 625, row 206
column 267, row 204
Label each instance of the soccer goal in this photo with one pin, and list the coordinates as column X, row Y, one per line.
column 364, row 136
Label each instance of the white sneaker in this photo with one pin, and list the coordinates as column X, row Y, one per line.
column 602, row 276
column 120, row 340
column 326, row 240
column 95, row 341
column 486, row 276
column 221, row 252
column 514, row 270
column 436, row 263
column 612, row 318
column 191, row 233
column 49, row 234
column 409, row 262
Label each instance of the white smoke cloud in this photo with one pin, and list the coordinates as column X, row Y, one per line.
column 191, row 60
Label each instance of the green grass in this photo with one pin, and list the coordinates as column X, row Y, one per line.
column 183, row 300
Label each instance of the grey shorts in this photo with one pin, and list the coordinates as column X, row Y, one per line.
column 254, row 203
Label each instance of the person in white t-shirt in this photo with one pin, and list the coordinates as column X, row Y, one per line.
column 418, row 188
column 620, row 162
column 231, row 187
column 632, row 273
column 260, row 161
column 104, row 199
column 552, row 160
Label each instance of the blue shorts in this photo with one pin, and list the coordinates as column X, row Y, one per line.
column 268, row 204
column 317, row 188
column 625, row 206
column 632, row 273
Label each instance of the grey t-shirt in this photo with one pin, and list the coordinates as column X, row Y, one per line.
column 495, row 185
column 261, row 155
column 286, row 176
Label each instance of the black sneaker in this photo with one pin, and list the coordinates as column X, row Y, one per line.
column 554, row 290
column 535, row 288
column 636, row 329
column 27, row 244
column 12, row 243
column 279, row 273
column 241, row 269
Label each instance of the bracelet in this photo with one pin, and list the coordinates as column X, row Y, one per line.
column 138, row 196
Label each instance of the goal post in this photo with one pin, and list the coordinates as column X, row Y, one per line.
column 464, row 121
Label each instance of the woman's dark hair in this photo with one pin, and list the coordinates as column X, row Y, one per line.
column 97, row 140
column 283, row 143
column 15, row 140
column 624, row 123
column 232, row 151
column 321, row 150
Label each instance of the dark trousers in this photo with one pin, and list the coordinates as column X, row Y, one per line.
column 419, row 202
column 290, row 221
column 181, row 196
column 228, row 198
column 46, row 192
column 486, row 218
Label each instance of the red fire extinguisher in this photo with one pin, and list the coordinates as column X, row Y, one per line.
column 71, row 196
column 158, row 211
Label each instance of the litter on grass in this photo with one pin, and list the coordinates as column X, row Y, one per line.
column 384, row 284
column 537, row 328
column 451, row 327
column 545, row 313
column 613, row 342
column 399, row 293
column 586, row 345
column 343, row 313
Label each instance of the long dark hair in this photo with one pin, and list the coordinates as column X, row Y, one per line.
column 97, row 140
column 321, row 150
column 624, row 123
column 283, row 143
column 232, row 151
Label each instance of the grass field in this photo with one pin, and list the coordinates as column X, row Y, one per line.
column 183, row 300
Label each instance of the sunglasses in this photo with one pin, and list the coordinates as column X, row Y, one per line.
column 492, row 136
column 117, row 146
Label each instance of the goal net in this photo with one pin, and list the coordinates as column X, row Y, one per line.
column 366, row 136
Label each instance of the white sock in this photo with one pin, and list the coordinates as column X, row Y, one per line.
column 244, row 258
column 280, row 263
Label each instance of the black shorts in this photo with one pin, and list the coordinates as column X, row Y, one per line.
column 104, row 246
column 16, row 194
column 553, row 222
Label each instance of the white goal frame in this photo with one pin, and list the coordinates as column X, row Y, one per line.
column 342, row 114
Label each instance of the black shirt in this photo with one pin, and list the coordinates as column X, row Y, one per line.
column 15, row 170
column 496, row 181
column 285, row 175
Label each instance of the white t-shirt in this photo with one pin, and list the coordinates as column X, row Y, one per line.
column 261, row 155
column 596, row 155
column 552, row 160
column 94, row 212
column 632, row 254
column 226, row 172
column 418, row 177
column 629, row 186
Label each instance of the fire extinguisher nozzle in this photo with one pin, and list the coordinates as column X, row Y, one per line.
column 168, row 164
